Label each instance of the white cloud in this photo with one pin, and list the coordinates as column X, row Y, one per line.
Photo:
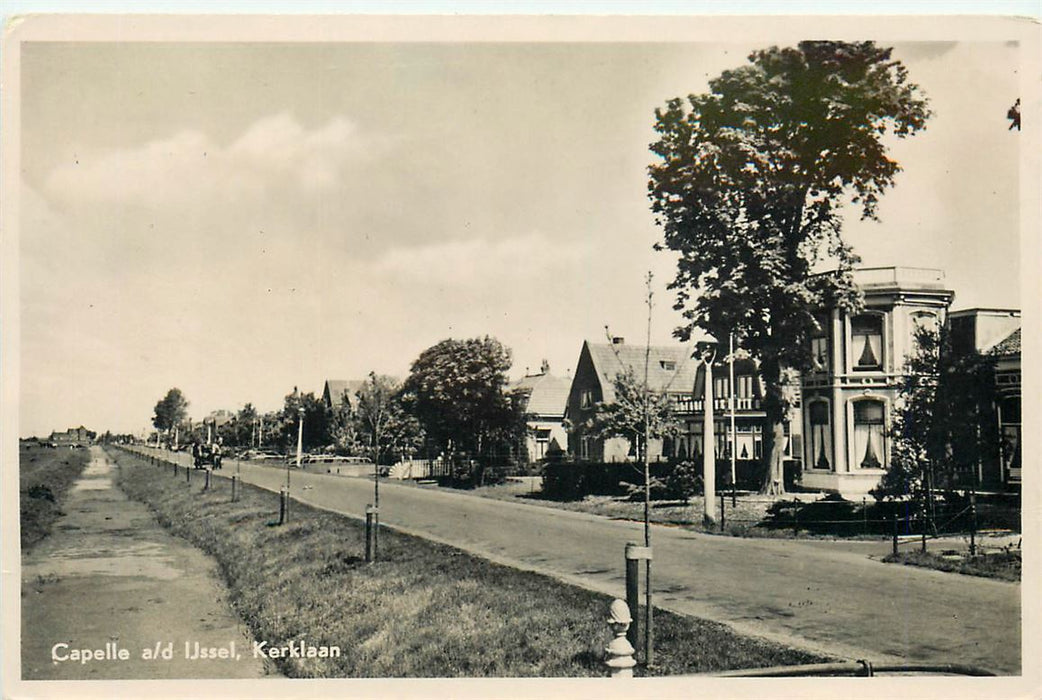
column 189, row 168
column 479, row 262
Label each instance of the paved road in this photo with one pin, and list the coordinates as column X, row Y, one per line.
column 109, row 577
column 821, row 598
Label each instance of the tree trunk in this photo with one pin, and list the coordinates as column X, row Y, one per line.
column 773, row 430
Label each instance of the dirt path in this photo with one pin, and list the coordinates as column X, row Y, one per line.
column 110, row 578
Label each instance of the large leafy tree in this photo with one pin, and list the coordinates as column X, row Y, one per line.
column 170, row 411
column 749, row 189
column 381, row 422
column 457, row 391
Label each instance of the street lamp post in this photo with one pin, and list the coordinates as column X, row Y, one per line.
column 300, row 444
column 731, row 402
column 707, row 354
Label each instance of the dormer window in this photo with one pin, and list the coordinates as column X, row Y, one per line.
column 867, row 342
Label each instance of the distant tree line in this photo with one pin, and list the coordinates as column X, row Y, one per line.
column 455, row 404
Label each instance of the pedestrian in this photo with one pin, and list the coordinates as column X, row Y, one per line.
column 217, row 454
column 197, row 454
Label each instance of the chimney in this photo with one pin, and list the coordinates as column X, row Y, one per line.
column 618, row 340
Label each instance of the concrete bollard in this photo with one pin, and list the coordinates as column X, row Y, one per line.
column 283, row 506
column 234, row 479
column 618, row 655
column 206, row 486
column 188, row 475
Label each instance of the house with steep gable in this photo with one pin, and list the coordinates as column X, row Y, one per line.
column 336, row 391
column 670, row 369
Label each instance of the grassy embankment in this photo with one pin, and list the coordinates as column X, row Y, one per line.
column 45, row 475
column 422, row 610
column 1004, row 565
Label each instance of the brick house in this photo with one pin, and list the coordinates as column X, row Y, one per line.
column 670, row 370
column 72, row 436
column 996, row 332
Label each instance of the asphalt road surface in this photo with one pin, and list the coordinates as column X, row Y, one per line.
column 821, row 597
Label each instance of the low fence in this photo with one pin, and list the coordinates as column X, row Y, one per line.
column 975, row 520
column 421, row 469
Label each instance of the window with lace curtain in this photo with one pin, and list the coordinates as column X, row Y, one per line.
column 866, row 333
column 869, row 437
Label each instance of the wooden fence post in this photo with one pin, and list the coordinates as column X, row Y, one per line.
column 371, row 523
column 973, row 524
column 635, row 553
column 922, row 528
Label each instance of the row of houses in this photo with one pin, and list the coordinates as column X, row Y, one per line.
column 836, row 438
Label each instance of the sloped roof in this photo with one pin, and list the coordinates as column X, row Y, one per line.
column 1010, row 345
column 670, row 368
column 547, row 394
column 335, row 389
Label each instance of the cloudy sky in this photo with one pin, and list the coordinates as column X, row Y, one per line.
column 237, row 219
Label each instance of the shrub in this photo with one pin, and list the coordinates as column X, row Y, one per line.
column 684, row 481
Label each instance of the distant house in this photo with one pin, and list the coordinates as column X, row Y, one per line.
column 72, row 436
column 545, row 398
column 670, row 370
column 337, row 391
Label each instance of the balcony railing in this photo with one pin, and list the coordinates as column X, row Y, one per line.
column 689, row 404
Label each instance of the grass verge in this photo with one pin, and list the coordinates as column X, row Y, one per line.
column 1004, row 565
column 422, row 610
column 45, row 474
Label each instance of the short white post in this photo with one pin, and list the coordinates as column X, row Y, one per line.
column 618, row 655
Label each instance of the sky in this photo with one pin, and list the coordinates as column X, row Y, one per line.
column 237, row 219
